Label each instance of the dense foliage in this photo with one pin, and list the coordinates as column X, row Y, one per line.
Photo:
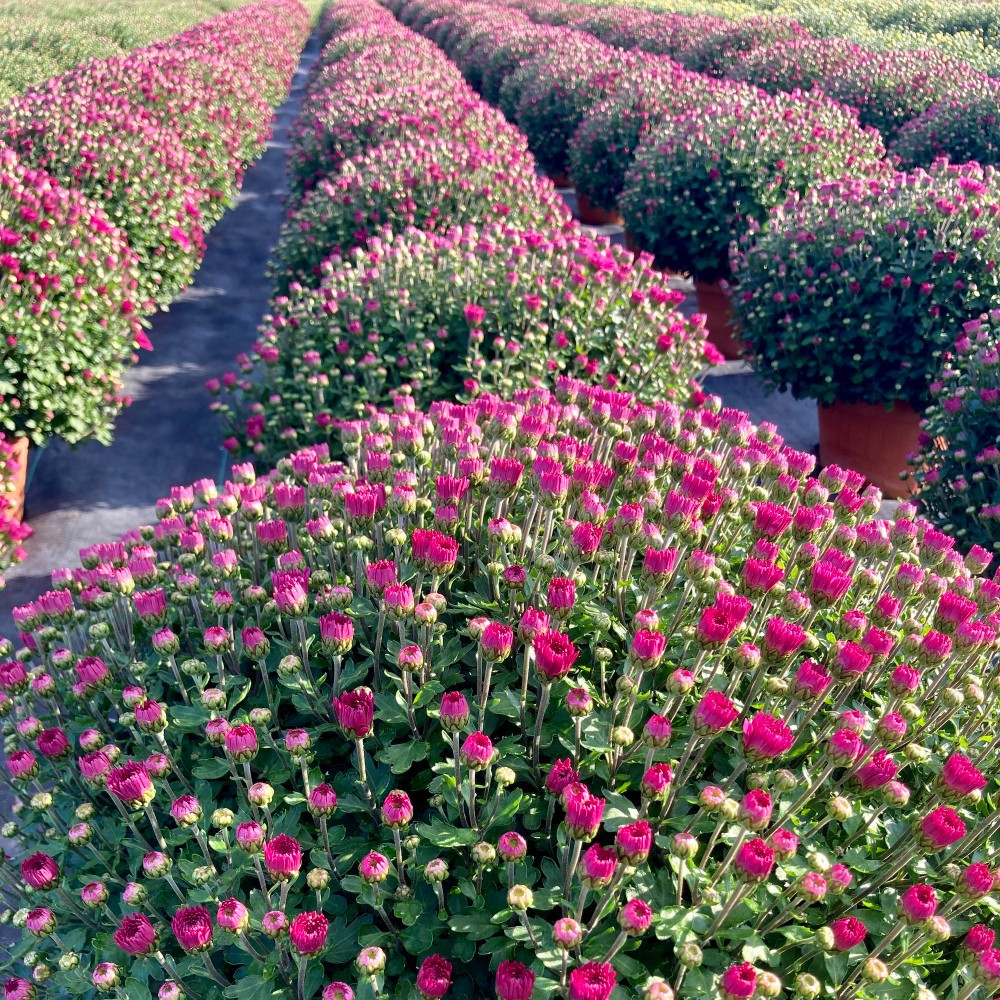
column 851, row 291
column 956, row 468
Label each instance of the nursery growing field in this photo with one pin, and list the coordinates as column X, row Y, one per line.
column 505, row 660
column 39, row 38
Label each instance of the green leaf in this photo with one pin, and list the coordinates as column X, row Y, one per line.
column 442, row 834
column 248, row 988
column 474, row 925
column 402, row 756
column 211, row 769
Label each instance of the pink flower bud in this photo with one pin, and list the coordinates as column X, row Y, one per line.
column 307, row 933
column 739, row 982
column 322, row 801
column 754, row 860
column 283, row 858
column 232, row 916
column 477, row 751
column 514, row 981
column 397, row 810
column 40, row 871
column 250, row 836
column 136, row 936
column 434, row 977
column 592, row 981
column 765, row 737
column 374, row 867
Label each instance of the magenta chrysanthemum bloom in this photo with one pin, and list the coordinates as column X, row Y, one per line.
column 554, row 655
column 192, row 927
column 598, row 866
column 53, row 743
column 131, row 784
column 765, row 737
column 960, row 777
column 19, row 989
column 635, row 917
column 307, row 933
column 647, row 649
column 514, row 981
column 560, row 775
column 918, row 903
column 784, row 843
column 754, row 860
column 241, row 743
column 977, row 881
column 810, row 681
column 657, row 731
column 844, row 747
column 322, row 801
column 755, row 809
column 876, row 772
column 714, row 713
column 656, row 781
column 533, row 622
column 355, row 712
column 283, row 858
column 135, row 935
column 634, row 841
column 40, row 871
column 496, row 642
column 477, row 751
column 397, row 810
column 583, row 816
column 979, row 938
column 941, row 828
column 250, row 836
column 739, row 982
column 592, row 981
column 232, row 916
column 847, row 932
column 434, row 977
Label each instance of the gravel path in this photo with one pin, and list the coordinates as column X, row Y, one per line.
column 168, row 436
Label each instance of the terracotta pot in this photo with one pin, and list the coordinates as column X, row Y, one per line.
column 590, row 215
column 631, row 244
column 870, row 439
column 722, row 330
column 20, row 455
column 561, row 180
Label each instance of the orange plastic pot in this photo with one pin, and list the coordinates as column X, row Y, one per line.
column 722, row 330
column 590, row 215
column 15, row 500
column 872, row 440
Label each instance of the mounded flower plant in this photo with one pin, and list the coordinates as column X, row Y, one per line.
column 517, row 698
column 700, row 178
column 851, row 291
column 957, row 469
column 460, row 311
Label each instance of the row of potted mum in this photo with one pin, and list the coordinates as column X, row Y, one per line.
column 705, row 175
column 430, row 259
column 109, row 177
